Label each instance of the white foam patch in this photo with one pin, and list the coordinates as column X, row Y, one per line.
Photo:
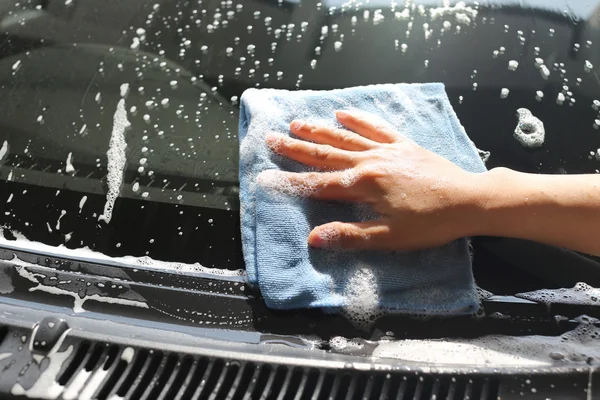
column 82, row 203
column 349, row 177
column 124, row 90
column 530, row 130
column 127, row 354
column 341, row 343
column 580, row 294
column 69, row 168
column 116, row 159
column 573, row 347
column 484, row 155
column 20, row 267
column 544, row 71
column 46, row 385
column 330, row 235
column 4, row 150
column 464, row 14
column 362, row 298
column 279, row 181
column 87, row 255
column 483, row 294
column 62, row 214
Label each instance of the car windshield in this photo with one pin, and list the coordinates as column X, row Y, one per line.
column 119, row 118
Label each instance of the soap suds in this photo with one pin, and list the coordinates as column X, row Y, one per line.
column 279, row 181
column 116, row 159
column 573, row 347
column 69, row 168
column 124, row 90
column 463, row 13
column 580, row 294
column 82, row 203
column 544, row 71
column 46, row 385
column 341, row 343
column 127, row 354
column 87, row 255
column 62, row 214
column 362, row 298
column 20, row 267
column 484, row 155
column 4, row 150
column 530, row 130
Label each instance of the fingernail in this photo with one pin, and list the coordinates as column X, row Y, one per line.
column 342, row 114
column 317, row 242
column 325, row 237
column 297, row 125
column 268, row 179
column 274, row 141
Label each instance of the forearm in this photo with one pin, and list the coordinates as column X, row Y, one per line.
column 562, row 210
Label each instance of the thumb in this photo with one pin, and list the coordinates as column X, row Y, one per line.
column 350, row 235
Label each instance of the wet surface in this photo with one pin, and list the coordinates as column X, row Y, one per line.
column 187, row 63
column 62, row 67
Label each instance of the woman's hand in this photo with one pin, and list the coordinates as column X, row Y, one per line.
column 423, row 199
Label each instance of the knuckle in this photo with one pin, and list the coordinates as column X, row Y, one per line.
column 382, row 130
column 314, row 177
column 345, row 137
column 322, row 152
column 371, row 172
column 291, row 145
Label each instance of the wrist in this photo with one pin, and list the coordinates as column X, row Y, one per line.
column 486, row 191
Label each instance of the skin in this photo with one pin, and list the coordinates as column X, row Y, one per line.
column 425, row 200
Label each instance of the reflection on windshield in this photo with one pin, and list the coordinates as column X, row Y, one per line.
column 119, row 125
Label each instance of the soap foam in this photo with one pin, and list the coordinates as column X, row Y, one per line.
column 116, row 159
column 69, row 168
column 279, row 181
column 484, row 155
column 464, row 14
column 87, row 255
column 362, row 298
column 580, row 294
column 530, row 130
column 4, row 150
column 341, row 343
column 573, row 347
column 349, row 177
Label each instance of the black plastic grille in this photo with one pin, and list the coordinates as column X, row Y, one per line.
column 155, row 375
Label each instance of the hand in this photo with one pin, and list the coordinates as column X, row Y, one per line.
column 423, row 199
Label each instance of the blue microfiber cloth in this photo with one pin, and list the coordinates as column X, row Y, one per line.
column 275, row 226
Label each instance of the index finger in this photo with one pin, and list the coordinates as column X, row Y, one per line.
column 369, row 129
column 338, row 185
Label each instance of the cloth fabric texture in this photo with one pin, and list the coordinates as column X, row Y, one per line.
column 275, row 226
